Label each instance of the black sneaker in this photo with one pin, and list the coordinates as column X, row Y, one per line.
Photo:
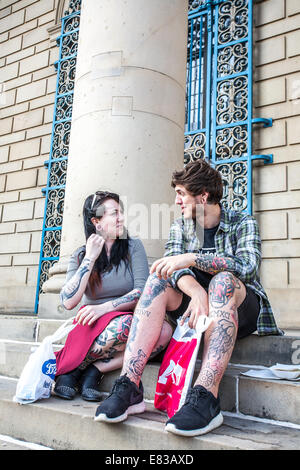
column 125, row 399
column 200, row 414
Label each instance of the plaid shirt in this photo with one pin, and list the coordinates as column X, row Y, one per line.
column 237, row 238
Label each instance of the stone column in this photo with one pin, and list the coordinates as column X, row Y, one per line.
column 127, row 131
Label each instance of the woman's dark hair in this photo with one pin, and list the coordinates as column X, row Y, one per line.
column 93, row 207
column 199, row 177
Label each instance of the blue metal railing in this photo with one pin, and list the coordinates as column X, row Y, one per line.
column 58, row 158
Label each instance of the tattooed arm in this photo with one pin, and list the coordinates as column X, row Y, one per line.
column 244, row 263
column 90, row 313
column 73, row 290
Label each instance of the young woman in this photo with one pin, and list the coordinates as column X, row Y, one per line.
column 107, row 275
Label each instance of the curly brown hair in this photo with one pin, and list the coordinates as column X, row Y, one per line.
column 198, row 177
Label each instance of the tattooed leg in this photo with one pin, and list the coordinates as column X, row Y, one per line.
column 111, row 341
column 226, row 293
column 147, row 325
column 163, row 340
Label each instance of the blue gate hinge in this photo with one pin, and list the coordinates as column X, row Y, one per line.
column 267, row 122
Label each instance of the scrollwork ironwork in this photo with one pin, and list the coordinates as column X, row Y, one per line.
column 44, row 273
column 69, row 44
column 61, row 139
column 233, row 21
column 234, row 176
column 66, row 79
column 51, row 245
column 64, row 107
column 195, row 4
column 194, row 147
column 232, row 59
column 55, row 208
column 232, row 100
column 74, row 6
column 231, row 142
column 58, row 173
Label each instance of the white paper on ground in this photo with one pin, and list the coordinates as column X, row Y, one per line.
column 277, row 372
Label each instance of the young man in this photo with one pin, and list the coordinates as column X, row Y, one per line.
column 216, row 275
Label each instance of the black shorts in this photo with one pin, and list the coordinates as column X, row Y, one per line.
column 248, row 312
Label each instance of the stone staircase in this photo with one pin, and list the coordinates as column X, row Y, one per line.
column 259, row 414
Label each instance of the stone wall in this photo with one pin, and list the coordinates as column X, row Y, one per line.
column 277, row 186
column 27, row 88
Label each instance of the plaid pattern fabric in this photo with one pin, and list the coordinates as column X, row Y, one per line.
column 237, row 238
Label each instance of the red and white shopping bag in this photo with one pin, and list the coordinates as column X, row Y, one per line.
column 177, row 369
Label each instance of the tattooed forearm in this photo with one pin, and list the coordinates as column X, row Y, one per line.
column 214, row 264
column 72, row 287
column 153, row 288
column 128, row 298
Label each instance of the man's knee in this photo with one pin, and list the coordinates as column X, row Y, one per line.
column 223, row 287
column 153, row 288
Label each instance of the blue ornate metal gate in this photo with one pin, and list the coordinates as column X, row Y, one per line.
column 58, row 159
column 219, row 94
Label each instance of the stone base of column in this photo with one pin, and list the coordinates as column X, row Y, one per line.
column 49, row 301
column 49, row 307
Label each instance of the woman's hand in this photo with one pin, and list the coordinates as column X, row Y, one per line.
column 94, row 246
column 88, row 314
column 164, row 267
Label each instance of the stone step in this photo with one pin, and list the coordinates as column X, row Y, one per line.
column 254, row 349
column 239, row 394
column 140, row 432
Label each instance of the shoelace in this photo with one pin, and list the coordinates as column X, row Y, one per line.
column 121, row 385
column 194, row 394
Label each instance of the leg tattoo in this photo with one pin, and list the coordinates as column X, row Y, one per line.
column 220, row 338
column 152, row 290
column 110, row 341
column 222, row 288
column 137, row 363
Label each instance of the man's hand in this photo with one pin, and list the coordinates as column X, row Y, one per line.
column 89, row 314
column 198, row 306
column 164, row 267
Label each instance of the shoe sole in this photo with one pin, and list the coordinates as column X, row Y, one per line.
column 215, row 423
column 61, row 395
column 92, row 399
column 132, row 410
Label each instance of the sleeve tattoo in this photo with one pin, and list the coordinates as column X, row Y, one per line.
column 128, row 298
column 214, row 264
column 71, row 288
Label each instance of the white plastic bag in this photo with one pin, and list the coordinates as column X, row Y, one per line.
column 38, row 374
column 177, row 369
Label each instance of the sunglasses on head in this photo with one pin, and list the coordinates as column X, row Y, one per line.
column 99, row 195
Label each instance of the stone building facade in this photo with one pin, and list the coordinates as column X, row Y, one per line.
column 28, row 51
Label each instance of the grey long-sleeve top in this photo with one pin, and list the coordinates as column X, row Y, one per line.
column 116, row 282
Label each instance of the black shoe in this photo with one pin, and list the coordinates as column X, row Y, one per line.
column 66, row 385
column 200, row 414
column 125, row 399
column 89, row 382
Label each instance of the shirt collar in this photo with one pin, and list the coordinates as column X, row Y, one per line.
column 224, row 220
